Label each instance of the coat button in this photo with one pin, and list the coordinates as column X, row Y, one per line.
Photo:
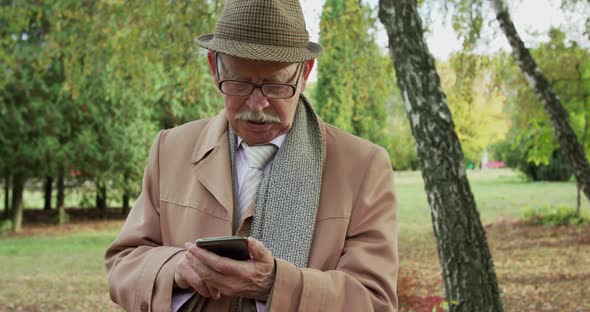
column 144, row 306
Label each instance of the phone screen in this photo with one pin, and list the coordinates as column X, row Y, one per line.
column 234, row 247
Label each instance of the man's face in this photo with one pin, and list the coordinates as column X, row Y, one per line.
column 256, row 118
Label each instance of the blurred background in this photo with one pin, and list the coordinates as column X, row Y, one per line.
column 86, row 86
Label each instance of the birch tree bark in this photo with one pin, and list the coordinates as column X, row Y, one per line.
column 468, row 270
column 571, row 147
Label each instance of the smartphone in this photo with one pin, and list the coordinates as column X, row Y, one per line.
column 235, row 247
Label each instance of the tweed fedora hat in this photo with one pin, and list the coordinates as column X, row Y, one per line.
column 265, row 30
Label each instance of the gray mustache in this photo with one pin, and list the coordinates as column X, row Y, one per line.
column 257, row 117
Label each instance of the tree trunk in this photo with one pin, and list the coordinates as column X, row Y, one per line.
column 48, row 192
column 586, row 111
column 126, row 196
column 125, row 208
column 101, row 199
column 18, row 187
column 467, row 267
column 584, row 138
column 60, row 204
column 572, row 149
column 578, row 199
column 7, row 209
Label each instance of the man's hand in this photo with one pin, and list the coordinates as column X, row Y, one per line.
column 185, row 277
column 210, row 274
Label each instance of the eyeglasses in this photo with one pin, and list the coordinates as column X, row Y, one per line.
column 245, row 88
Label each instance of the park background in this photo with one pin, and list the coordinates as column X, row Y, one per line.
column 86, row 86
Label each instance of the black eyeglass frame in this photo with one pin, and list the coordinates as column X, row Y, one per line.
column 256, row 85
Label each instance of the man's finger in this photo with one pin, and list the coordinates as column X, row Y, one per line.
column 213, row 291
column 198, row 284
column 188, row 274
column 220, row 265
column 178, row 279
column 258, row 251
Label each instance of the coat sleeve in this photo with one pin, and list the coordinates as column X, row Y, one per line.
column 365, row 278
column 140, row 269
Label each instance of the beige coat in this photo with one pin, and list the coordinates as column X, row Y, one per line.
column 187, row 194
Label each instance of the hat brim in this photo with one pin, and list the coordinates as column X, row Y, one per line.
column 259, row 52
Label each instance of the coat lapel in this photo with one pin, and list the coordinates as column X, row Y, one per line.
column 211, row 163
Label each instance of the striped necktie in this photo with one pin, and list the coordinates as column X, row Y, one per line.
column 257, row 157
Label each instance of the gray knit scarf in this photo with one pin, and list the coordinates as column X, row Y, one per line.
column 288, row 197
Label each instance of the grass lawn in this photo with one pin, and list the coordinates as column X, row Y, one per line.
column 500, row 194
column 539, row 268
column 58, row 269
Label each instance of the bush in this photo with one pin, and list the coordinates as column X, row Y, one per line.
column 554, row 216
column 557, row 169
column 5, row 226
column 402, row 148
column 65, row 218
column 418, row 296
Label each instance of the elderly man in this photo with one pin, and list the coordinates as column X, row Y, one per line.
column 317, row 203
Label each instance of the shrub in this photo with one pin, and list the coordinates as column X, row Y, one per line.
column 65, row 218
column 519, row 156
column 557, row 169
column 5, row 226
column 554, row 216
column 418, row 296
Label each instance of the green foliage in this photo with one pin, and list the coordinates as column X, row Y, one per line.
column 567, row 67
column 517, row 156
column 5, row 226
column 467, row 20
column 87, row 85
column 333, row 97
column 403, row 146
column 475, row 101
column 558, row 169
column 133, row 72
column 532, row 143
column 352, row 90
column 152, row 57
column 29, row 125
column 554, row 216
column 565, row 63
